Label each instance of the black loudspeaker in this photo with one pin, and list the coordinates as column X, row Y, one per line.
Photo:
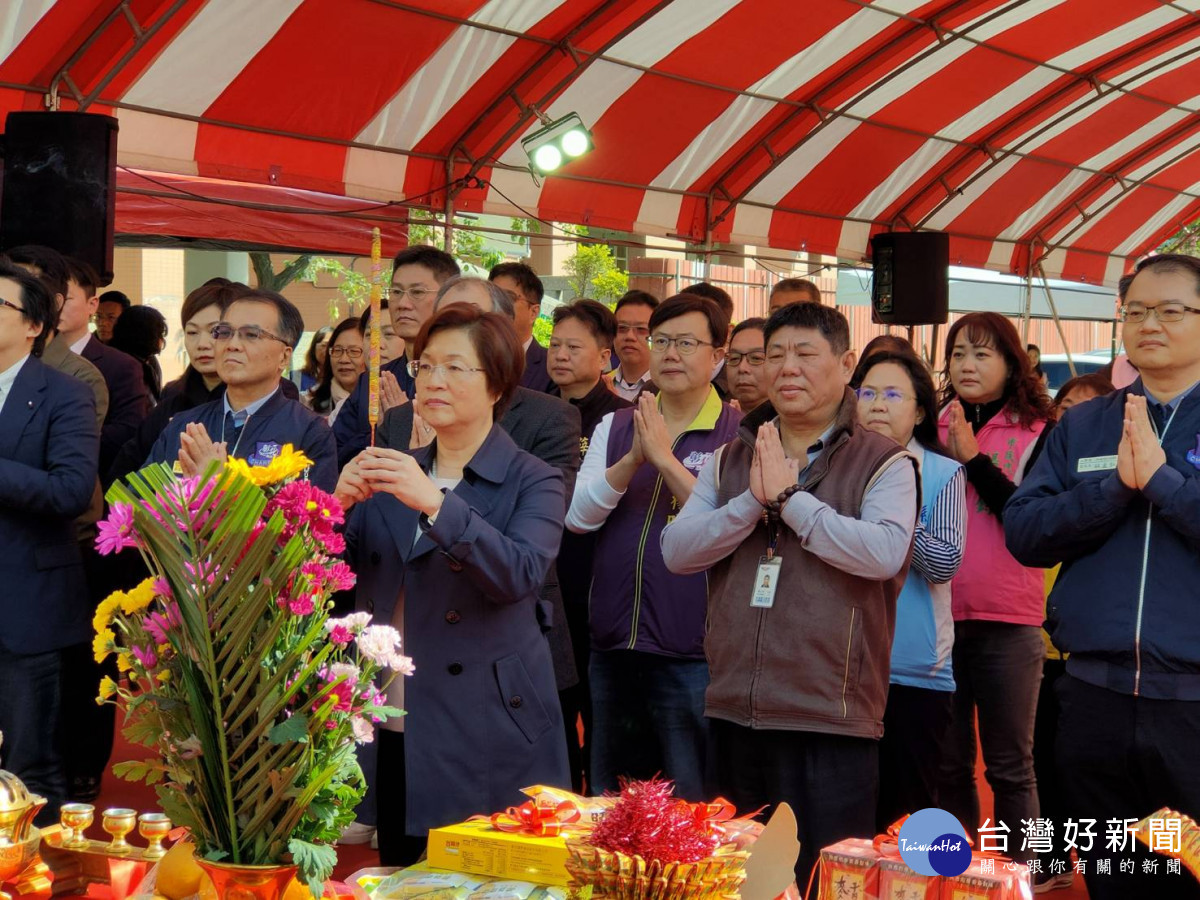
column 911, row 285
column 60, row 185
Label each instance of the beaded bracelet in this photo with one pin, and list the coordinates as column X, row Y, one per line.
column 776, row 505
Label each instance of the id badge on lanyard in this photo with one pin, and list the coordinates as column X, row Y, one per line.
column 766, row 579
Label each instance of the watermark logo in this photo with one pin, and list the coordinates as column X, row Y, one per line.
column 933, row 842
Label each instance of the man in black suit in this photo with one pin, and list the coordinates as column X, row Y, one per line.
column 522, row 284
column 73, row 285
column 48, row 447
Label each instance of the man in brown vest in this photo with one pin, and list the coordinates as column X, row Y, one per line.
column 805, row 522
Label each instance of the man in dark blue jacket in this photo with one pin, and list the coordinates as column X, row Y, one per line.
column 49, row 442
column 1115, row 497
column 417, row 274
column 253, row 420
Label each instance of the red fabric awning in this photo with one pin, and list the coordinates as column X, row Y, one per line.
column 237, row 213
column 1054, row 132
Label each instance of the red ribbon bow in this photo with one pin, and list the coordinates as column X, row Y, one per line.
column 709, row 816
column 536, row 818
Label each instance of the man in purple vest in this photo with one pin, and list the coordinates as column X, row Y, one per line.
column 648, row 673
column 804, row 525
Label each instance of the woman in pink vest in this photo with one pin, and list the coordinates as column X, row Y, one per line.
column 994, row 410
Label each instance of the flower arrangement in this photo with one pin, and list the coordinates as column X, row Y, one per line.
column 232, row 669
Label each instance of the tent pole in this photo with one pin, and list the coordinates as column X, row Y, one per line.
column 449, row 211
column 1028, row 306
column 1057, row 321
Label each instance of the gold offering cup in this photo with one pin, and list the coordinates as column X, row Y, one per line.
column 75, row 819
column 154, row 827
column 118, row 822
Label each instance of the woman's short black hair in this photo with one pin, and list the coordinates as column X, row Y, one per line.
column 140, row 332
column 494, row 338
column 36, row 301
column 322, row 392
column 682, row 304
column 925, row 431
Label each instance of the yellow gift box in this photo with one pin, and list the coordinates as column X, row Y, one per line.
column 479, row 848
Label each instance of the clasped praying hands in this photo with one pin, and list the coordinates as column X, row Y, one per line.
column 771, row 472
column 1139, row 455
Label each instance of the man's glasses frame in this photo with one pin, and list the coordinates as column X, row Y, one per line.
column 248, row 333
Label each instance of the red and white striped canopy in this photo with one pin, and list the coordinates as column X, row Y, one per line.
column 1054, row 132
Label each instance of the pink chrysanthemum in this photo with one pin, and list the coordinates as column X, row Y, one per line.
column 116, row 532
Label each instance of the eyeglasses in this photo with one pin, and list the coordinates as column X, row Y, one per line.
column 417, row 294
column 640, row 330
column 247, row 333
column 19, row 309
column 890, row 396
column 754, row 357
column 352, row 352
column 452, row 372
column 685, row 345
column 1167, row 313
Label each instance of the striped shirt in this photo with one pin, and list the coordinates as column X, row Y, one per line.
column 941, row 533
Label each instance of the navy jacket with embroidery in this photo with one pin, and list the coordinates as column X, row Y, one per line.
column 1126, row 605
column 280, row 421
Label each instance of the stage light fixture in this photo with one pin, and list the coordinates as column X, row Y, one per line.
column 557, row 142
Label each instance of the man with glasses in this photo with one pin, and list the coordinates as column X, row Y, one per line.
column 417, row 275
column 1115, row 497
column 745, row 364
column 632, row 375
column 522, row 284
column 109, row 308
column 580, row 347
column 253, row 420
column 828, row 510
column 648, row 674
column 49, row 443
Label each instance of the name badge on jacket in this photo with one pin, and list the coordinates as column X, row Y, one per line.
column 1096, row 464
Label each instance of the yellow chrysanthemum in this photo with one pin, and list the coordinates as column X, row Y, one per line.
column 104, row 643
column 287, row 464
column 108, row 688
column 124, row 662
column 164, row 676
column 138, row 598
column 104, row 612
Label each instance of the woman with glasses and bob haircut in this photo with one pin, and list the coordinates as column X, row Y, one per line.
column 896, row 397
column 345, row 360
column 451, row 544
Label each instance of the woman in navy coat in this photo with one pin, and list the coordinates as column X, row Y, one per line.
column 451, row 545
